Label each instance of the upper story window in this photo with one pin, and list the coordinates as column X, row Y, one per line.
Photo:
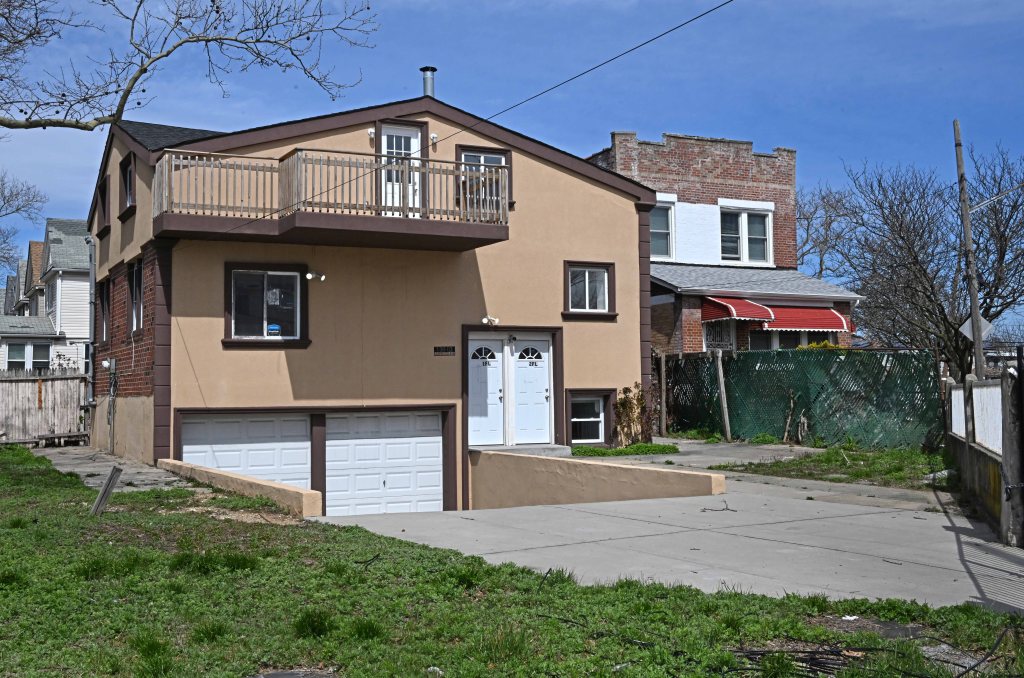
column 589, row 291
column 746, row 236
column 661, row 232
column 102, row 207
column 51, row 295
column 135, row 294
column 127, row 182
column 265, row 304
column 103, row 299
column 480, row 186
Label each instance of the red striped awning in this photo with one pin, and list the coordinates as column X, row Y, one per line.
column 723, row 308
column 806, row 318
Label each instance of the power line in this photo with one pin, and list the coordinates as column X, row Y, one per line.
column 509, row 108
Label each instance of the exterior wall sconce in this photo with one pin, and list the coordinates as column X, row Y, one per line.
column 371, row 132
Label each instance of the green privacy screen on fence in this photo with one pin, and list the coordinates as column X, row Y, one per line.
column 878, row 398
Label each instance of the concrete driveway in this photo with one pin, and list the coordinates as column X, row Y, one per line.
column 760, row 538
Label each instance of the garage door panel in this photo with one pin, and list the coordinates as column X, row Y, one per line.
column 383, row 462
column 267, row 447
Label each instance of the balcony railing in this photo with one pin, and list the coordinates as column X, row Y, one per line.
column 329, row 182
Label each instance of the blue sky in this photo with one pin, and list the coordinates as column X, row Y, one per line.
column 842, row 81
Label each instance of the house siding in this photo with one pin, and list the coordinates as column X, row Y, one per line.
column 74, row 305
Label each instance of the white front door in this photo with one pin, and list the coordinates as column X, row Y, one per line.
column 510, row 399
column 400, row 180
column 533, row 391
column 486, row 392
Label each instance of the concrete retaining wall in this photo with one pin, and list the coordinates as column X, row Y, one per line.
column 502, row 480
column 980, row 476
column 295, row 500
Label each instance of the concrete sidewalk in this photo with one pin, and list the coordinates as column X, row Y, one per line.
column 757, row 541
column 93, row 466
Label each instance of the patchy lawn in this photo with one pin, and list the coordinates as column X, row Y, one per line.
column 634, row 449
column 898, row 467
column 157, row 588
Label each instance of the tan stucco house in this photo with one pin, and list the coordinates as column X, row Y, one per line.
column 349, row 303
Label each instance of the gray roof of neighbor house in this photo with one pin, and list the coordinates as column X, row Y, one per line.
column 26, row 325
column 66, row 247
column 154, row 137
column 762, row 282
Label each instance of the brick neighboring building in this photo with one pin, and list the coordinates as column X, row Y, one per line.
column 723, row 247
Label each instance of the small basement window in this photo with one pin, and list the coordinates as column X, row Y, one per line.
column 587, row 419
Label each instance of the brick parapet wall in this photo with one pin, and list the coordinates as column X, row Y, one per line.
column 702, row 170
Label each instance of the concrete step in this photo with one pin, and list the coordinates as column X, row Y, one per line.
column 534, row 450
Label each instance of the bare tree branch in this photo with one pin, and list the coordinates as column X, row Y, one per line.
column 17, row 199
column 233, row 35
column 899, row 243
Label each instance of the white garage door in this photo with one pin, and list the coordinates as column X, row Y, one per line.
column 270, row 447
column 383, row 463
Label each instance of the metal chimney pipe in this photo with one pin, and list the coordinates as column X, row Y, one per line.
column 428, row 80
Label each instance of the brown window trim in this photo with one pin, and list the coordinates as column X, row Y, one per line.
column 103, row 206
column 302, row 341
column 569, row 314
column 125, row 210
column 609, row 395
column 493, row 150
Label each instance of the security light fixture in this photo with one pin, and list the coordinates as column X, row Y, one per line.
column 489, row 320
column 313, row 274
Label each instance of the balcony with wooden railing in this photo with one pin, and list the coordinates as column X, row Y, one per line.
column 331, row 197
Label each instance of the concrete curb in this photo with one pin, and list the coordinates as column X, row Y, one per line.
column 295, row 500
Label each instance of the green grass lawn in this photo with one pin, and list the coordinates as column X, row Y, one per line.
column 635, row 448
column 154, row 588
column 898, row 467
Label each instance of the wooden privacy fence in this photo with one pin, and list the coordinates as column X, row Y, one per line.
column 34, row 404
column 877, row 398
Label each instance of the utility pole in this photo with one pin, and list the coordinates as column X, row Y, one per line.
column 972, row 271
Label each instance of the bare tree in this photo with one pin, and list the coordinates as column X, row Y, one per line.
column 17, row 199
column 905, row 253
column 134, row 39
column 822, row 225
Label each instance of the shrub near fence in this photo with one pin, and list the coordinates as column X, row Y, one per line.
column 878, row 398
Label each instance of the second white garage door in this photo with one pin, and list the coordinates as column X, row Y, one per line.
column 384, row 462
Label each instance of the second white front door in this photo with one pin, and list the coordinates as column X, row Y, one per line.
column 533, row 391
column 509, row 399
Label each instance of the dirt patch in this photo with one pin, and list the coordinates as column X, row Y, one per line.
column 892, row 630
column 241, row 516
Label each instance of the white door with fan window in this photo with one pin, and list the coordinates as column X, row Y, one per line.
column 510, row 399
column 486, row 392
column 400, row 179
column 532, row 391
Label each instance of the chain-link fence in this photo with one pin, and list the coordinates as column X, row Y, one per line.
column 877, row 398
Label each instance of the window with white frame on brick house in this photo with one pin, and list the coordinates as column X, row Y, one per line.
column 661, row 232
column 746, row 236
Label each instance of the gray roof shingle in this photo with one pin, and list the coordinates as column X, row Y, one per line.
column 154, row 137
column 66, row 247
column 763, row 282
column 26, row 325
